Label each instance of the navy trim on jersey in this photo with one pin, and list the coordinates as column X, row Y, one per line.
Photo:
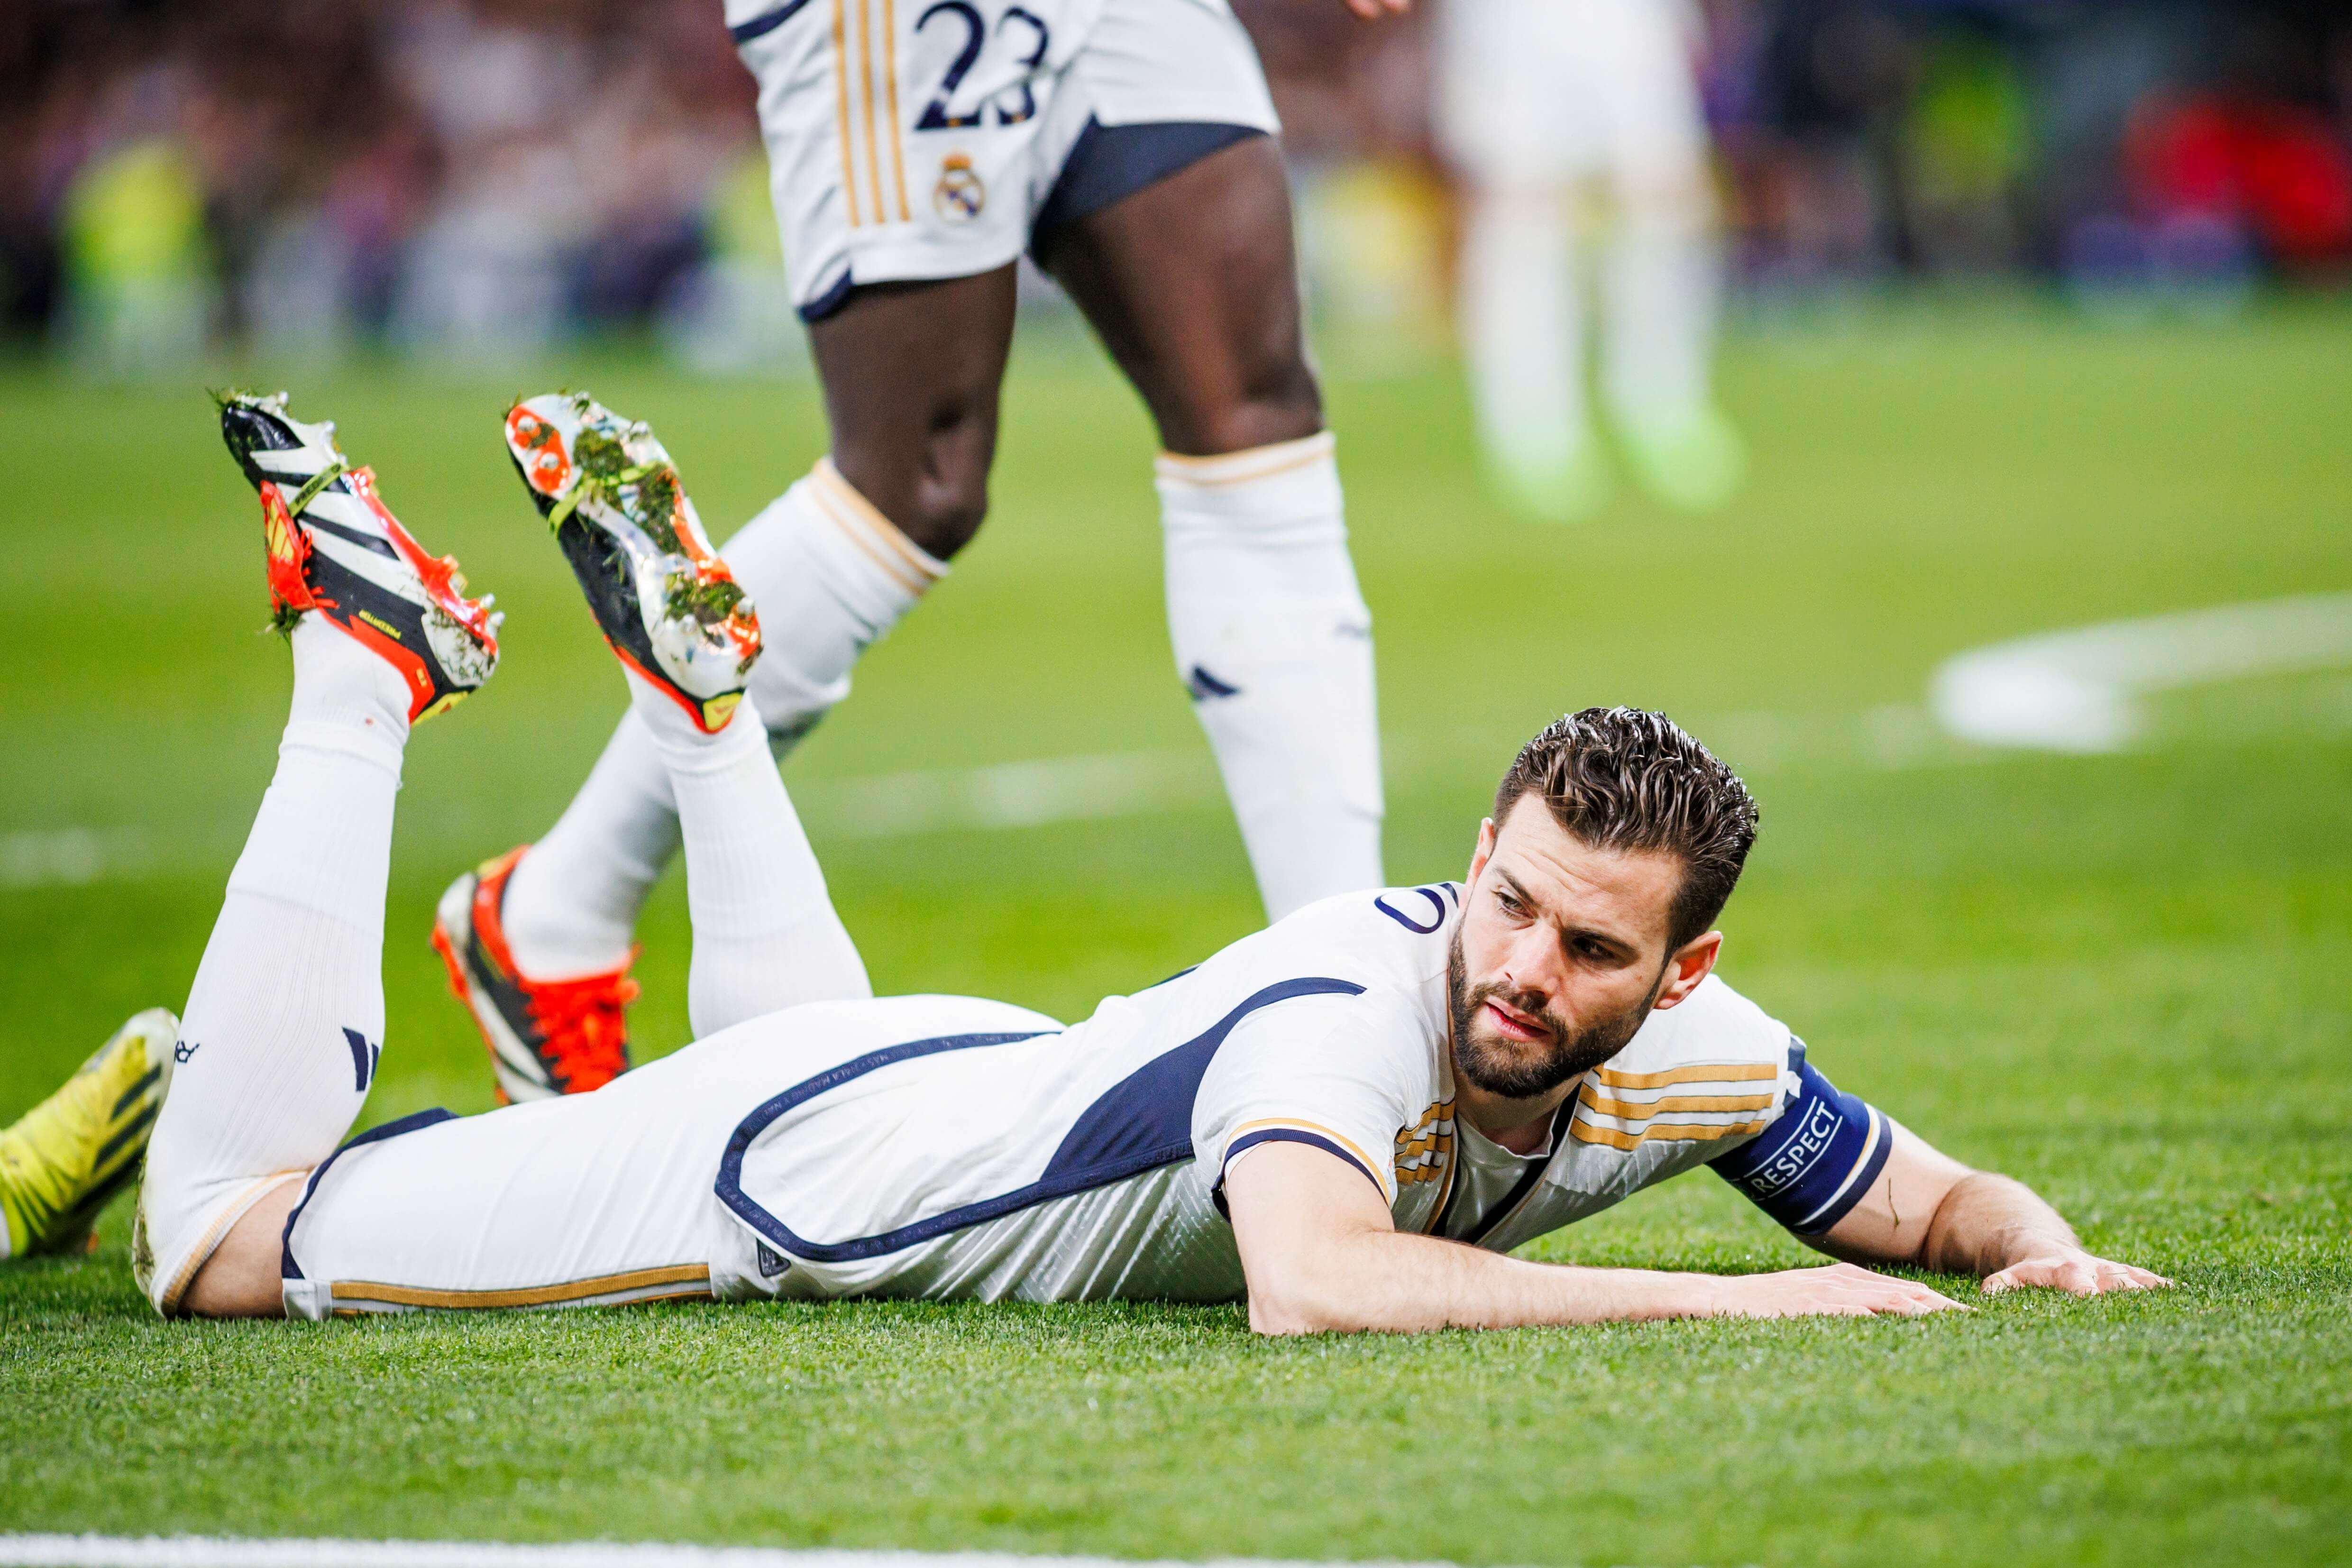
column 1139, row 1124
column 1437, row 917
column 287, row 1268
column 760, row 27
column 1108, row 164
column 1811, row 1166
column 1286, row 1135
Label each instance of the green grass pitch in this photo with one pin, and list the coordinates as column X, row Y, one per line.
column 2123, row 979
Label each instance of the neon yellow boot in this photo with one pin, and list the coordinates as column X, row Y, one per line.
column 70, row 1154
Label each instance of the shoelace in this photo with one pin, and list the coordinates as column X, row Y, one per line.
column 583, row 1035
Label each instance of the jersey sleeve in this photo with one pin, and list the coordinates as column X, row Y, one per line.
column 1814, row 1163
column 1335, row 1078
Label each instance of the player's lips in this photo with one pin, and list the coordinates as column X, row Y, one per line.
column 1512, row 1024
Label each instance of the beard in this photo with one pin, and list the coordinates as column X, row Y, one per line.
column 1524, row 1070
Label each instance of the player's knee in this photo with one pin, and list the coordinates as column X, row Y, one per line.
column 1674, row 199
column 946, row 509
column 241, row 1277
column 936, row 490
column 1273, row 398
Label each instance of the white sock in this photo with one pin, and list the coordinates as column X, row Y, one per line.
column 765, row 933
column 1522, row 333
column 1660, row 283
column 828, row 574
column 280, row 1037
column 1271, row 637
column 572, row 901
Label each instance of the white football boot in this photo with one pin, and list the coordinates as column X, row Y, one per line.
column 664, row 600
column 335, row 549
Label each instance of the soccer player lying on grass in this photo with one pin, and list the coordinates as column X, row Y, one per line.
column 1348, row 1118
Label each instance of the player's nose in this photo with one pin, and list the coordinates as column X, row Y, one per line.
column 1532, row 962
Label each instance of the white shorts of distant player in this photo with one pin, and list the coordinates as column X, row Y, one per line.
column 1542, row 92
column 587, row 1200
column 923, row 139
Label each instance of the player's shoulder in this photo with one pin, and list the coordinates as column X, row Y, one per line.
column 1713, row 1068
column 1394, row 933
column 1368, row 957
column 1713, row 1026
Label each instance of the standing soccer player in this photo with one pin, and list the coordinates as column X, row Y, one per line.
column 1536, row 99
column 917, row 148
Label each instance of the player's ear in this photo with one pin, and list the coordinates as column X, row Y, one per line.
column 1691, row 963
column 1485, row 852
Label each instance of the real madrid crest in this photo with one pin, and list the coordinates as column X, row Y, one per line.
column 960, row 195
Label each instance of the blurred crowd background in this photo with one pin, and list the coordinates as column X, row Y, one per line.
column 477, row 178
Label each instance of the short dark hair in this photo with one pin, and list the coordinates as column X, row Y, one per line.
column 1625, row 779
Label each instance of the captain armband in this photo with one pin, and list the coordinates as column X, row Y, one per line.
column 1813, row 1165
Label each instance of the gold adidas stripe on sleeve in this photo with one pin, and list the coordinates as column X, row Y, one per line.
column 1700, row 1072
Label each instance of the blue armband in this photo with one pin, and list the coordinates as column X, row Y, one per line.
column 1813, row 1164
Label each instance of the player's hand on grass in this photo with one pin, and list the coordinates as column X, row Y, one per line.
column 1837, row 1291
column 2075, row 1271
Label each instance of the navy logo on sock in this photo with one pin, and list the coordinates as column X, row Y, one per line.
column 364, row 1058
column 1204, row 686
column 181, row 1050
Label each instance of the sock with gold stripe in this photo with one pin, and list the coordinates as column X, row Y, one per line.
column 829, row 576
column 1275, row 644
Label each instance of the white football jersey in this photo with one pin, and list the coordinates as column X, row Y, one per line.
column 1017, row 1160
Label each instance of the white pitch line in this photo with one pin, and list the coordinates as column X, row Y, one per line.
column 229, row 1551
column 2078, row 691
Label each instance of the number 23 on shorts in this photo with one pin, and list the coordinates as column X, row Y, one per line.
column 1021, row 37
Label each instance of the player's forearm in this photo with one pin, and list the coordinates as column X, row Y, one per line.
column 1384, row 1281
column 1987, row 1222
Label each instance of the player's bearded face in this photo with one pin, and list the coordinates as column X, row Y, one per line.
column 1521, row 1069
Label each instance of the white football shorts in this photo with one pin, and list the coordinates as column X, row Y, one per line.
column 921, row 139
column 1545, row 91
column 585, row 1200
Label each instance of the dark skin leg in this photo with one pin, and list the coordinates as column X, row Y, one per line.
column 910, row 373
column 1191, row 283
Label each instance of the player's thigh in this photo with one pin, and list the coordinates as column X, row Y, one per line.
column 911, row 374
column 900, row 139
column 1170, row 226
column 1193, row 285
column 1650, row 131
column 586, row 1200
column 1514, row 92
column 595, row 1199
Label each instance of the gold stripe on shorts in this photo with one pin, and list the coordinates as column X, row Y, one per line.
column 890, row 76
column 865, row 74
column 841, row 108
column 533, row 1295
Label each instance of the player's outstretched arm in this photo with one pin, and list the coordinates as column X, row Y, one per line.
column 1322, row 1254
column 1928, row 1209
